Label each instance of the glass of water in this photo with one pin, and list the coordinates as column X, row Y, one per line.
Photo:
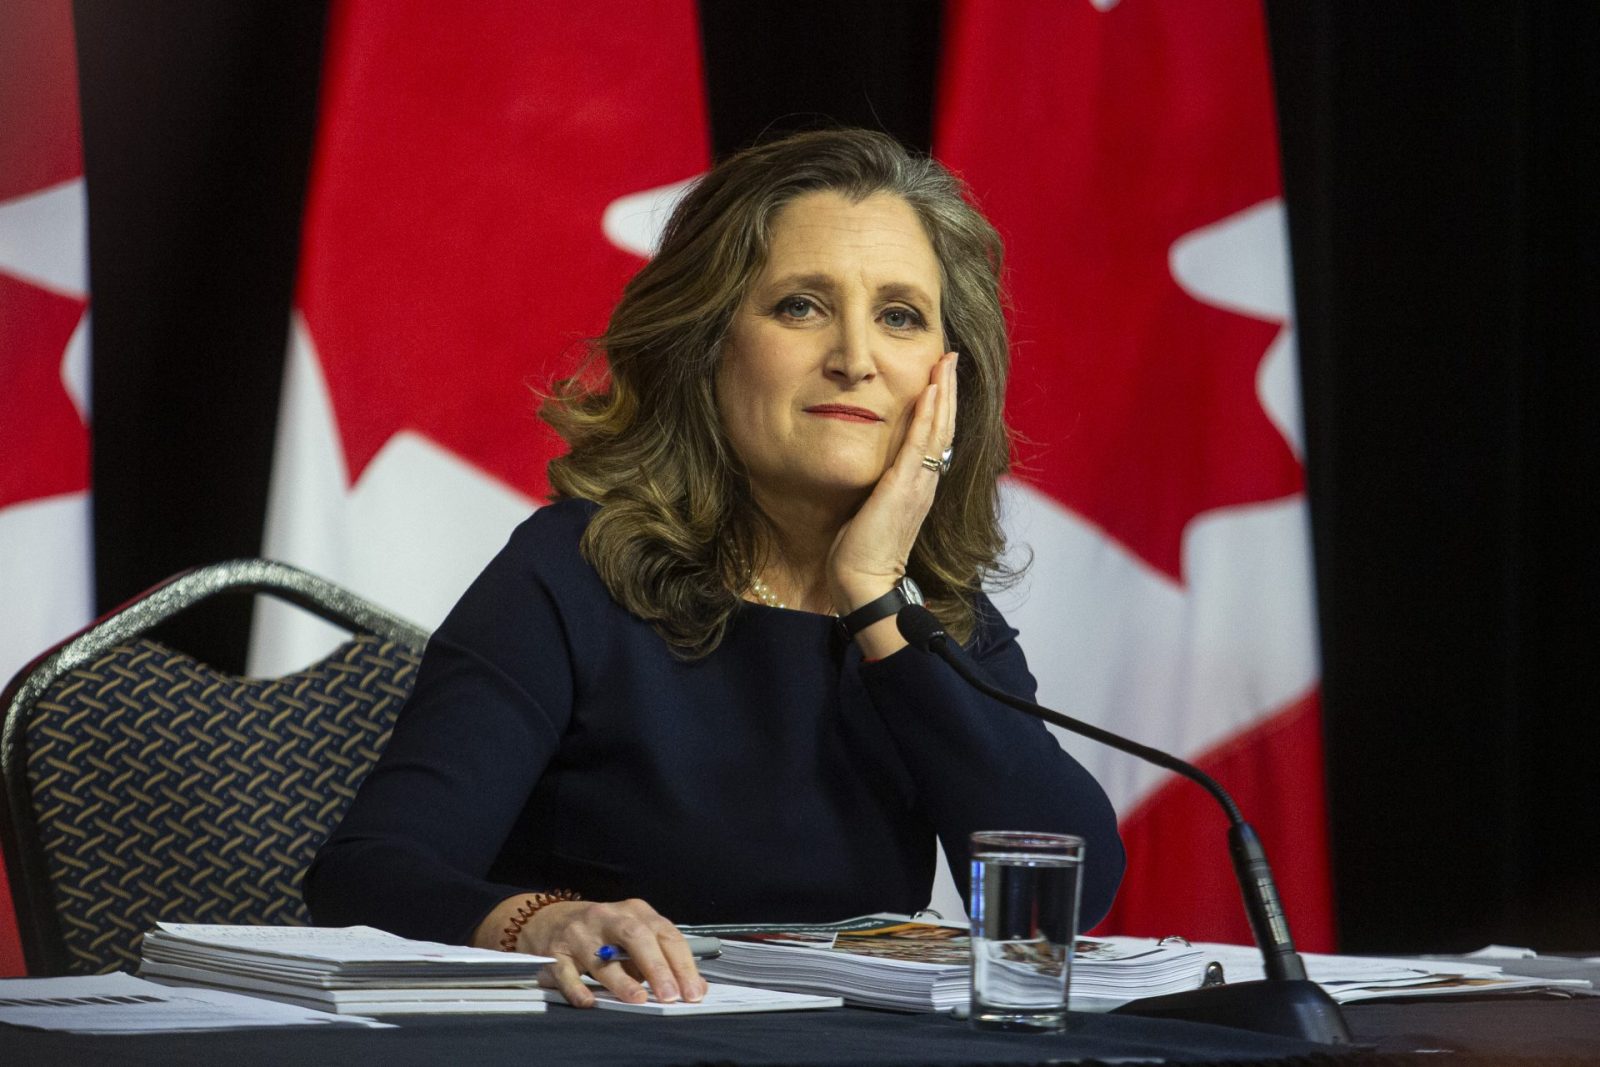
column 1024, row 919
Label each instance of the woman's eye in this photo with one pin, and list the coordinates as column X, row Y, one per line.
column 796, row 307
column 901, row 319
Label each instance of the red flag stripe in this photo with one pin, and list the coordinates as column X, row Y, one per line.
column 44, row 444
column 1103, row 140
column 1179, row 880
column 453, row 245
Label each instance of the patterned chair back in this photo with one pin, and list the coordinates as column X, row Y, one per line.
column 145, row 786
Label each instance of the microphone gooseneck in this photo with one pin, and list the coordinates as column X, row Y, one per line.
column 1294, row 1005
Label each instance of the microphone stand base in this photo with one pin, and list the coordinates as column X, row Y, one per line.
column 1286, row 1007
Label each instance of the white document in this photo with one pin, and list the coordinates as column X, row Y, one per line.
column 122, row 1004
column 349, row 957
column 719, row 1000
column 351, row 948
column 1352, row 978
column 398, row 999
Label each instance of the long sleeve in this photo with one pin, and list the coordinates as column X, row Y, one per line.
column 979, row 765
column 415, row 852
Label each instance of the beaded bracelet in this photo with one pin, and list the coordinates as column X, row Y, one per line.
column 526, row 911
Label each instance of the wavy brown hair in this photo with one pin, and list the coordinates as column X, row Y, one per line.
column 677, row 532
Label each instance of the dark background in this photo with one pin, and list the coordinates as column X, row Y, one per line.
column 1440, row 179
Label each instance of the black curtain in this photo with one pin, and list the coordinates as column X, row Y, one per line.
column 1444, row 236
column 197, row 126
column 1440, row 180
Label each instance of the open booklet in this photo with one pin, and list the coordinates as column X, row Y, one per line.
column 888, row 961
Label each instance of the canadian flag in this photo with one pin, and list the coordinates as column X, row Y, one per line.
column 46, row 579
column 485, row 180
column 1127, row 152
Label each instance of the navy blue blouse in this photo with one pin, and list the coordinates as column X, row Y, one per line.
column 554, row 741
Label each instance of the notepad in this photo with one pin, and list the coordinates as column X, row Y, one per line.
column 720, row 999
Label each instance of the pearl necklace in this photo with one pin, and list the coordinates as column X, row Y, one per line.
column 764, row 593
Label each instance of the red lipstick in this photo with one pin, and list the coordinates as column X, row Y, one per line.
column 844, row 411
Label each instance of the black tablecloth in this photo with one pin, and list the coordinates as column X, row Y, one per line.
column 1498, row 1031
column 613, row 1039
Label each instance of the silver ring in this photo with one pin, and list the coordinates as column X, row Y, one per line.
column 945, row 457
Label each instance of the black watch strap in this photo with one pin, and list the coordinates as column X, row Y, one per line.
column 903, row 592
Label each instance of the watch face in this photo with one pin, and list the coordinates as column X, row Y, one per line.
column 909, row 590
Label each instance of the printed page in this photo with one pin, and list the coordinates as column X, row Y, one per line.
column 348, row 944
column 122, row 1004
column 720, row 999
column 1351, row 978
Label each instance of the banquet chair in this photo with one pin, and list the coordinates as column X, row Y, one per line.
column 142, row 785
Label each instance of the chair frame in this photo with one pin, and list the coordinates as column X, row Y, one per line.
column 39, row 928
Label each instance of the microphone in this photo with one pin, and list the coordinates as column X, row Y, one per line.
column 1286, row 1003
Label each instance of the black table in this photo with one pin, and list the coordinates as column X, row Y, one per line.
column 1505, row 1030
column 562, row 1035
column 1522, row 1032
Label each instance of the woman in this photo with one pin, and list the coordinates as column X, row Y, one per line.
column 679, row 690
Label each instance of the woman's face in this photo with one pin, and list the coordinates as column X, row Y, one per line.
column 831, row 346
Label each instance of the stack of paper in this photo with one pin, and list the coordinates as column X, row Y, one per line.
column 354, row 970
column 885, row 962
column 1109, row 972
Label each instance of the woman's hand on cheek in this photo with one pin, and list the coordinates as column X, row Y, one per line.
column 871, row 551
column 572, row 931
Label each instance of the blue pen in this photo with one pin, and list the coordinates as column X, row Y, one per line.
column 703, row 948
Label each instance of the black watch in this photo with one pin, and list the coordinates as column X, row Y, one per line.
column 904, row 592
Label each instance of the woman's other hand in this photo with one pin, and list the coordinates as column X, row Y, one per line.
column 871, row 551
column 571, row 932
